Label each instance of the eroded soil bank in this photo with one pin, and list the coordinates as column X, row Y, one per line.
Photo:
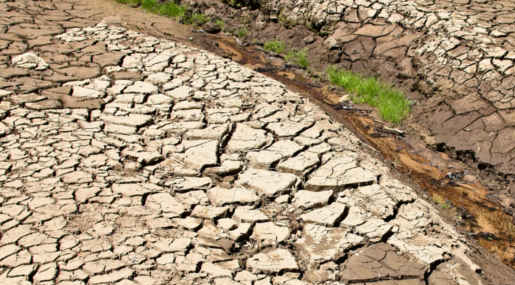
column 456, row 143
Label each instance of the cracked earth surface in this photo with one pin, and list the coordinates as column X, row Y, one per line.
column 131, row 159
column 459, row 53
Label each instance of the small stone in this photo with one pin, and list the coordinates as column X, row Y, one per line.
column 374, row 31
column 159, row 99
column 340, row 170
column 46, row 272
column 30, row 60
column 180, row 93
column 285, row 148
column 309, row 39
column 44, row 105
column 189, row 223
column 262, row 159
column 79, row 91
column 212, row 27
column 184, row 184
column 299, row 164
column 159, row 77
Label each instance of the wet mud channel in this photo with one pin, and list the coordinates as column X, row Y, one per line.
column 440, row 178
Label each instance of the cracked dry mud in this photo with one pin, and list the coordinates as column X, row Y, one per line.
column 131, row 159
column 459, row 53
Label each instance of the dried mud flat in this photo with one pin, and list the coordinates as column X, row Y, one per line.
column 450, row 58
column 133, row 159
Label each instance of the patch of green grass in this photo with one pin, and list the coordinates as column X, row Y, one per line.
column 198, row 19
column 444, row 204
column 299, row 57
column 242, row 32
column 150, row 5
column 275, row 46
column 391, row 103
column 170, row 9
column 220, row 23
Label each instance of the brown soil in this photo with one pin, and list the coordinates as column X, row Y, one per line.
column 474, row 209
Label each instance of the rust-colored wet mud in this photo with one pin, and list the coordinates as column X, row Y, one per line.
column 436, row 174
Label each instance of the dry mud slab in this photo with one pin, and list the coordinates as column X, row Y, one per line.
column 131, row 159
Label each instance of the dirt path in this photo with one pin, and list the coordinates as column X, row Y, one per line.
column 135, row 159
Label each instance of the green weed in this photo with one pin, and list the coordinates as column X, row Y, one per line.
column 242, row 32
column 170, row 9
column 444, row 204
column 391, row 103
column 298, row 57
column 220, row 24
column 198, row 19
column 274, row 46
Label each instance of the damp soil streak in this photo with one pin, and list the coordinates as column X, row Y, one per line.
column 484, row 220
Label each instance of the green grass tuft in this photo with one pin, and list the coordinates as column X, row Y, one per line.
column 150, row 5
column 170, row 9
column 198, row 19
column 298, row 57
column 220, row 23
column 242, row 32
column 390, row 102
column 275, row 46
